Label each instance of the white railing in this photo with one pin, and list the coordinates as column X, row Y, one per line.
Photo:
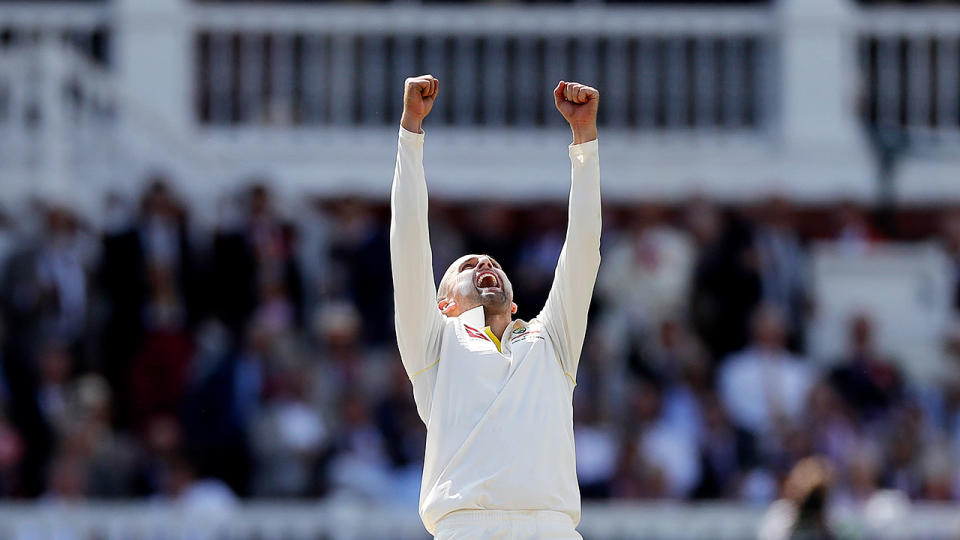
column 911, row 72
column 339, row 521
column 85, row 26
column 666, row 69
column 735, row 102
column 70, row 132
column 56, row 114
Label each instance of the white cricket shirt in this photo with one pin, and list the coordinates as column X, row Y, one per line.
column 498, row 409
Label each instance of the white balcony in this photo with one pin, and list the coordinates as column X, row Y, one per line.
column 736, row 102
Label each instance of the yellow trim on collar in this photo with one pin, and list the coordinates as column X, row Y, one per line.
column 496, row 340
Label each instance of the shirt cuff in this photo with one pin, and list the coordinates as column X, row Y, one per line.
column 580, row 152
column 410, row 136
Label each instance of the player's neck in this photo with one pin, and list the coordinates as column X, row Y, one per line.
column 498, row 322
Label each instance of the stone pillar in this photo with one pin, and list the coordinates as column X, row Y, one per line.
column 818, row 123
column 154, row 56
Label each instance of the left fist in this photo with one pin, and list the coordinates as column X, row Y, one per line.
column 577, row 103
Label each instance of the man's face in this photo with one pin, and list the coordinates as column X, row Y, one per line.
column 475, row 280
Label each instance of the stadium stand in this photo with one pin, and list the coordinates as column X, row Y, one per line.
column 194, row 296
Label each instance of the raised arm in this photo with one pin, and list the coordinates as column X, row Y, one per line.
column 565, row 313
column 418, row 321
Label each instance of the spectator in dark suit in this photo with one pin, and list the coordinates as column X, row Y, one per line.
column 726, row 283
column 254, row 265
column 867, row 381
column 155, row 243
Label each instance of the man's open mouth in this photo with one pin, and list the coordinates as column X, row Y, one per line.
column 487, row 280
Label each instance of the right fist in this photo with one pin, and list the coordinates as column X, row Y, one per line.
column 419, row 94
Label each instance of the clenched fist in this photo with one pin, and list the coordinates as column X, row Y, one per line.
column 419, row 93
column 578, row 104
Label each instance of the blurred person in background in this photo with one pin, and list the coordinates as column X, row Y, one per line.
column 202, row 496
column 215, row 411
column 726, row 452
column 645, row 279
column 11, row 442
column 835, row 432
column 161, row 445
column 868, row 382
column 537, row 256
column 288, row 435
column 906, row 439
column 802, row 512
column 726, row 286
column 596, row 445
column 361, row 466
column 668, row 449
column 765, row 387
column 109, row 457
column 492, row 228
column 254, row 270
column 853, row 232
column 782, row 265
column 950, row 238
column 8, row 235
column 859, row 478
column 147, row 276
column 403, row 432
column 157, row 374
column 448, row 234
column 45, row 285
column 360, row 250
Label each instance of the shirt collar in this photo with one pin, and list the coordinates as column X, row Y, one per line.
column 477, row 319
column 474, row 317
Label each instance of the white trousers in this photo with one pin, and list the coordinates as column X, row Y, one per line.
column 506, row 525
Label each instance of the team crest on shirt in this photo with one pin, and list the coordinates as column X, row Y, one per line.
column 525, row 333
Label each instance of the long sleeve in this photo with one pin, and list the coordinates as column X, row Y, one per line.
column 565, row 313
column 418, row 321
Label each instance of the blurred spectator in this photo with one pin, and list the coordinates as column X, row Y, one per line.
column 802, row 512
column 726, row 285
column 67, row 481
column 361, row 250
column 147, row 275
column 782, row 265
column 446, row 237
column 950, row 234
column 200, row 496
column 8, row 235
column 538, row 253
column 254, row 267
column 854, row 233
column 290, row 437
column 645, row 278
column 142, row 382
column 215, row 428
column 765, row 387
column 668, row 451
column 867, row 381
column 11, row 456
column 862, row 478
column 726, row 451
column 44, row 286
column 596, row 451
column 833, row 429
column 361, row 465
column 906, row 440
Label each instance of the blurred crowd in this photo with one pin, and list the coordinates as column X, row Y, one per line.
column 251, row 354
